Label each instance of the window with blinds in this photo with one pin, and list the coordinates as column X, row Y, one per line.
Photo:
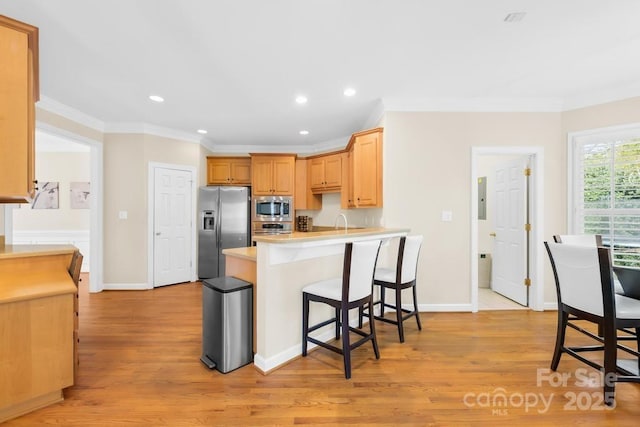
column 607, row 193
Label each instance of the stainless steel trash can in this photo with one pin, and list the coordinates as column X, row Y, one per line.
column 227, row 323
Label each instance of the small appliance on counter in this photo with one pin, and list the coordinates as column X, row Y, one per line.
column 304, row 223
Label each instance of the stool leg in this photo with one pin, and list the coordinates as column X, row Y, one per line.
column 374, row 340
column 305, row 322
column 399, row 314
column 337, row 323
column 415, row 307
column 346, row 345
column 381, row 301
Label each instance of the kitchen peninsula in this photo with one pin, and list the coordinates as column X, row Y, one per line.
column 284, row 264
column 37, row 315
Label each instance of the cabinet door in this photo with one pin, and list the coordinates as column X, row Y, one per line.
column 241, row 172
column 333, row 171
column 218, row 171
column 16, row 115
column 261, row 176
column 303, row 198
column 283, row 175
column 367, row 171
column 316, row 174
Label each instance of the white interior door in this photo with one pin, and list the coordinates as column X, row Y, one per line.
column 509, row 253
column 172, row 226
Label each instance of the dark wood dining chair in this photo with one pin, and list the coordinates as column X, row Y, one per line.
column 584, row 288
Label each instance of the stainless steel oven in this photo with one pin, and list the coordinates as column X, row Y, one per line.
column 272, row 208
column 262, row 228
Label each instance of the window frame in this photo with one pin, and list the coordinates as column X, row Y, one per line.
column 574, row 139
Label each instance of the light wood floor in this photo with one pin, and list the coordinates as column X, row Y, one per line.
column 139, row 365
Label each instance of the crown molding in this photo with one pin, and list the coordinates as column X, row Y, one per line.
column 70, row 113
column 473, row 104
column 602, row 97
column 304, row 150
column 148, row 129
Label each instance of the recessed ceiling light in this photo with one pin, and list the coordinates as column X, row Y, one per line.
column 304, row 132
column 515, row 17
column 202, row 131
column 156, row 98
column 301, row 99
column 349, row 91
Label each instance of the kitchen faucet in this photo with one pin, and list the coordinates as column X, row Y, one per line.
column 345, row 221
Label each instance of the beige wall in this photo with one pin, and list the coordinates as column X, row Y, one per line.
column 63, row 168
column 126, row 168
column 427, row 158
column 610, row 114
column 426, row 170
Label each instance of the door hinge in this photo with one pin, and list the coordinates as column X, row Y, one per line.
column 527, row 227
column 527, row 172
column 527, row 281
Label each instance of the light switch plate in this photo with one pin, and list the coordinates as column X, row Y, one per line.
column 447, row 216
column 122, row 214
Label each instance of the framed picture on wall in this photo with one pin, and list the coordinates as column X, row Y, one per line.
column 47, row 196
column 80, row 192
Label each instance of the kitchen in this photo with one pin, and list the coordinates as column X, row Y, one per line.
column 426, row 156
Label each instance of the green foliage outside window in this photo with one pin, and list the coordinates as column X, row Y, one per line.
column 611, row 197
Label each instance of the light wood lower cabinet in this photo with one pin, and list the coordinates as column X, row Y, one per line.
column 37, row 321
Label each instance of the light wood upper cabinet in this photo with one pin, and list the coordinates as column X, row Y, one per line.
column 365, row 177
column 325, row 174
column 228, row 170
column 273, row 174
column 18, row 94
column 304, row 198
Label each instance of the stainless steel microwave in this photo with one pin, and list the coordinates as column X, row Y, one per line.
column 272, row 208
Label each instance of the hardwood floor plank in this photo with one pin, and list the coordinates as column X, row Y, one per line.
column 139, row 365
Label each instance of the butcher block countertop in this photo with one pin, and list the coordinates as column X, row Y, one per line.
column 23, row 251
column 22, row 277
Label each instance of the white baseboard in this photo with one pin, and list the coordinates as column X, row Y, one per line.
column 551, row 306
column 77, row 238
column 443, row 307
column 273, row 362
column 126, row 286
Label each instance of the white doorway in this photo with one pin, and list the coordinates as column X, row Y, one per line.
column 95, row 227
column 508, row 217
column 171, row 224
column 535, row 247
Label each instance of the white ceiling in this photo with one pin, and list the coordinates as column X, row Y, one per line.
column 234, row 67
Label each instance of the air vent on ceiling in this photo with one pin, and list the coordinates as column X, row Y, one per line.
column 515, row 17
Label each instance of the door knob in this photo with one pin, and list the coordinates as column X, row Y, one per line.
column 158, row 233
column 492, row 234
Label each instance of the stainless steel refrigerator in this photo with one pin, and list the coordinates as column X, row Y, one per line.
column 224, row 223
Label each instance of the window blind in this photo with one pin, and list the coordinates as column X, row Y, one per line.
column 607, row 194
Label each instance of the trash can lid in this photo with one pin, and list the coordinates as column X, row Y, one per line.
column 226, row 284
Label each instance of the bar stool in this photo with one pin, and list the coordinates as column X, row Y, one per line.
column 352, row 290
column 402, row 277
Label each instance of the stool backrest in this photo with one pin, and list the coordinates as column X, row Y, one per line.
column 408, row 253
column 359, row 265
column 583, row 276
column 579, row 239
